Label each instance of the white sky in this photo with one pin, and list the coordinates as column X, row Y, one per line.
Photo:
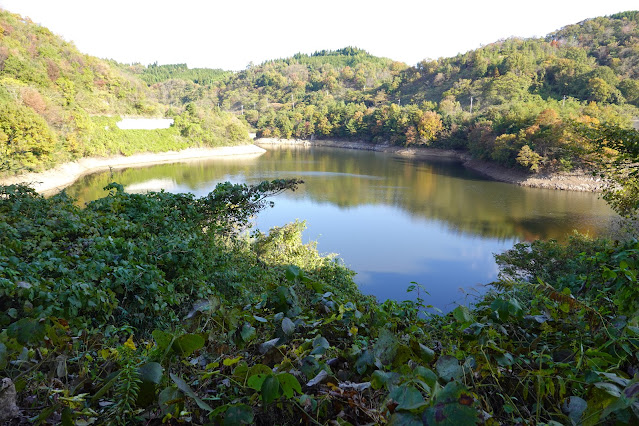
column 229, row 34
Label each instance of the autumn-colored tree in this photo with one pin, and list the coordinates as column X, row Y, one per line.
column 529, row 158
column 429, row 126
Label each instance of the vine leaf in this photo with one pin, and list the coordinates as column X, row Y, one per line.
column 407, row 398
column 448, row 368
column 270, row 389
column 289, row 383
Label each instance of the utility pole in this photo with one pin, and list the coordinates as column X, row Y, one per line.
column 471, row 104
column 242, row 111
column 563, row 102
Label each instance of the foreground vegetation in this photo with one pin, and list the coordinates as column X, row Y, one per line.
column 157, row 309
column 153, row 308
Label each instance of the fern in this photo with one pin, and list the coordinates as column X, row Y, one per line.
column 126, row 392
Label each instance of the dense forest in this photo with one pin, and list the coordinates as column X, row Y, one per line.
column 517, row 102
column 57, row 104
column 159, row 309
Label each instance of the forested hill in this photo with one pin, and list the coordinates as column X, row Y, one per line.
column 518, row 102
column 526, row 94
column 57, row 104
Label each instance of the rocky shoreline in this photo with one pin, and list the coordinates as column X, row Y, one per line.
column 63, row 175
column 567, row 181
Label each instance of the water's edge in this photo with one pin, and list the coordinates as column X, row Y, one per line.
column 571, row 181
column 54, row 180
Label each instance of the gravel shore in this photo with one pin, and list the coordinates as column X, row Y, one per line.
column 570, row 181
column 63, row 175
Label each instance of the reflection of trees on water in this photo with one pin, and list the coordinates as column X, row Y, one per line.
column 444, row 191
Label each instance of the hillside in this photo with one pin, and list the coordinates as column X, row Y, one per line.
column 527, row 95
column 58, row 104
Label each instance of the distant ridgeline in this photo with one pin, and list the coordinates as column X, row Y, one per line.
column 524, row 103
column 518, row 102
column 57, row 104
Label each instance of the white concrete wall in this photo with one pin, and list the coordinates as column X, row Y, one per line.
column 145, row 123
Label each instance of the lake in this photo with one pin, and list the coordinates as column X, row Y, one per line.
column 393, row 220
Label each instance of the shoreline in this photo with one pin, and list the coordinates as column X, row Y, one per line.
column 56, row 179
column 565, row 181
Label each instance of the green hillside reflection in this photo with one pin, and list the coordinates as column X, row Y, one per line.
column 444, row 191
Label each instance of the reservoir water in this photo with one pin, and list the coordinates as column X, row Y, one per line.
column 392, row 220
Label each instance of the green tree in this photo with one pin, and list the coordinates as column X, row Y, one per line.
column 26, row 141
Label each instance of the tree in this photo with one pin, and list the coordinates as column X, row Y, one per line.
column 26, row 141
column 618, row 151
column 429, row 126
column 529, row 158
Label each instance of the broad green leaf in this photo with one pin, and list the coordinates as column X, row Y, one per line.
column 448, row 368
column 259, row 369
column 365, row 360
column 188, row 343
column 462, row 314
column 150, row 372
column 402, row 355
column 255, row 381
column 67, row 417
column 289, row 383
column 270, row 389
column 610, row 388
column 26, row 331
column 408, row 398
column 320, row 345
column 381, row 379
column 241, row 371
column 426, row 353
column 184, row 387
column 427, row 375
column 386, row 347
column 288, row 326
column 310, row 366
column 260, row 319
column 505, row 359
column 614, row 378
column 162, row 338
column 293, row 272
column 247, row 332
column 598, row 401
column 240, row 414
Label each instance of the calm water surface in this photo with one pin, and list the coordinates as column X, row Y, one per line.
column 392, row 220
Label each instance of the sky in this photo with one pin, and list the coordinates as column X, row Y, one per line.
column 232, row 34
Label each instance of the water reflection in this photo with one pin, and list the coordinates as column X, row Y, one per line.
column 393, row 220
